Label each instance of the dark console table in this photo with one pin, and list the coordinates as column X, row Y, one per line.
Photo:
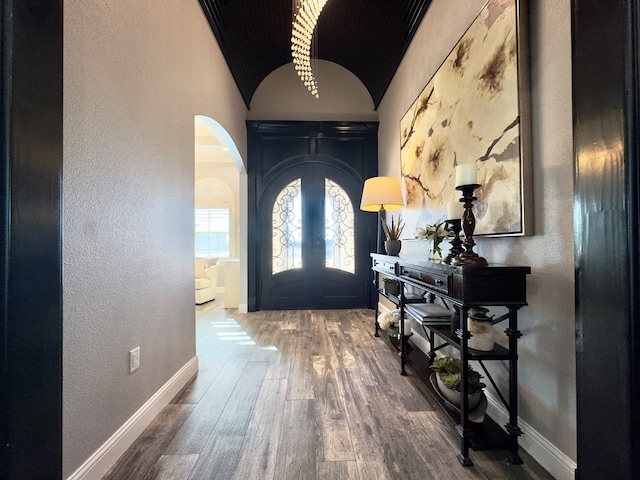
column 459, row 288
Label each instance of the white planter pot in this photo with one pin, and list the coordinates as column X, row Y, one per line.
column 456, row 397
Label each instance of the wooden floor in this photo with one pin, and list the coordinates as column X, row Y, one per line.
column 302, row 395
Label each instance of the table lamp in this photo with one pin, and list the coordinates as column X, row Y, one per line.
column 379, row 195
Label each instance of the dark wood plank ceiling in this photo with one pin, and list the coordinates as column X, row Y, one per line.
column 367, row 37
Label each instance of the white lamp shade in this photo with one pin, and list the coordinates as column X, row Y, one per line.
column 381, row 191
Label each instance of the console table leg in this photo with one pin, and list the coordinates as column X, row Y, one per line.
column 514, row 431
column 403, row 334
column 432, row 347
column 465, row 461
column 376, row 287
column 463, row 456
column 514, row 454
column 375, row 321
column 403, row 355
column 514, row 458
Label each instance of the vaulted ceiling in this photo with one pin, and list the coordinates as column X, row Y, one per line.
column 367, row 37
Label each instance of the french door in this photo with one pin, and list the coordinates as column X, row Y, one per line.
column 311, row 232
column 308, row 240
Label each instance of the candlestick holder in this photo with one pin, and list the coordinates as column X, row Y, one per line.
column 469, row 257
column 456, row 244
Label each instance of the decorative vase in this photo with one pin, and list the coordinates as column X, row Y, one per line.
column 392, row 247
column 481, row 330
column 435, row 254
column 393, row 331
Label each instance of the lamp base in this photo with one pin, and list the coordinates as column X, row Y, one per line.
column 382, row 217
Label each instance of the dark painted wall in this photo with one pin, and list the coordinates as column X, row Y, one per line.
column 30, row 268
column 605, row 92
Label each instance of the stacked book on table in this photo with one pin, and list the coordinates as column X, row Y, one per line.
column 429, row 312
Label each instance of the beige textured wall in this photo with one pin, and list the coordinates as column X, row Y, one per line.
column 134, row 77
column 547, row 349
column 282, row 96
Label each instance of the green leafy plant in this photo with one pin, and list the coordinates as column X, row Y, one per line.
column 450, row 372
column 393, row 231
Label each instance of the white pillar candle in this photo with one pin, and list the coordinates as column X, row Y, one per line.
column 407, row 326
column 454, row 210
column 466, row 174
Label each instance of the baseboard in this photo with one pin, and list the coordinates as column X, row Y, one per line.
column 98, row 464
column 542, row 450
column 559, row 465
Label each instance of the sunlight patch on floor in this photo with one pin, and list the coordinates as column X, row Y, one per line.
column 238, row 337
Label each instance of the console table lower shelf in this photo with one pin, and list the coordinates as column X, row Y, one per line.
column 483, row 436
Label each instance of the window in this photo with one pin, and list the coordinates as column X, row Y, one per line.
column 214, row 223
column 212, row 232
column 286, row 222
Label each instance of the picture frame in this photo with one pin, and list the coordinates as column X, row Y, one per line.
column 475, row 109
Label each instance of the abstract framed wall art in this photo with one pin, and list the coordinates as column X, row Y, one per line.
column 475, row 109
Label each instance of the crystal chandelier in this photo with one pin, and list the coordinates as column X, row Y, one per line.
column 306, row 14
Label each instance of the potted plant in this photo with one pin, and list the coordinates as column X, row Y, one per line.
column 392, row 232
column 449, row 378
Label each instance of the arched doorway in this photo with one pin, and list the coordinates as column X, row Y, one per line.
column 220, row 185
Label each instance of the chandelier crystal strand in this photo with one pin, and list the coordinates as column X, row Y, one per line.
column 305, row 20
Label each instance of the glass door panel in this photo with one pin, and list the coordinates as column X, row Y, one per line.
column 339, row 228
column 286, row 228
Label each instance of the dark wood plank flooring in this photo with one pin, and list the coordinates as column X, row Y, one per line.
column 302, row 395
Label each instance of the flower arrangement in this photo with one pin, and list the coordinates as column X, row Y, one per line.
column 436, row 232
column 393, row 231
column 388, row 319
